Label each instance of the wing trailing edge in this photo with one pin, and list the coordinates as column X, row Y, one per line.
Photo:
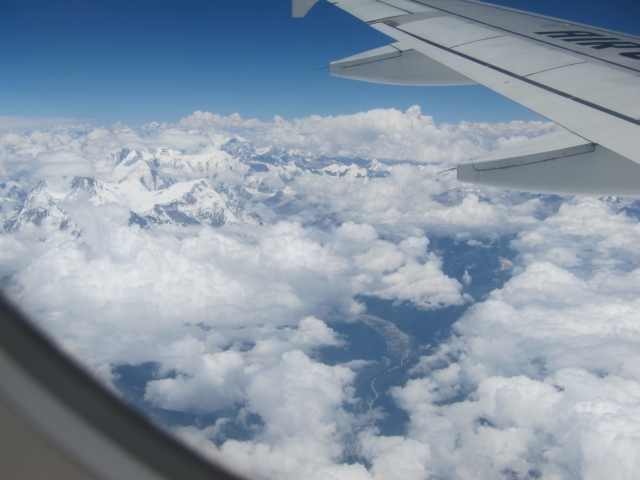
column 560, row 163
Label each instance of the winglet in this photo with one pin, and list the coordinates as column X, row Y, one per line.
column 299, row 8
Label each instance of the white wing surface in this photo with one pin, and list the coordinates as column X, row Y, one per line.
column 583, row 78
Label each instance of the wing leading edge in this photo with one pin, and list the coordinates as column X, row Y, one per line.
column 583, row 78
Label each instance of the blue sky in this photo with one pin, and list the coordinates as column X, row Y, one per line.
column 135, row 61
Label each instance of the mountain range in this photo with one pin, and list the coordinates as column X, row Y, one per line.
column 162, row 186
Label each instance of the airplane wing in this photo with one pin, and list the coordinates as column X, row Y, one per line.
column 586, row 79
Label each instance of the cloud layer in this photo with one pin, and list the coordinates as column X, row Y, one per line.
column 538, row 378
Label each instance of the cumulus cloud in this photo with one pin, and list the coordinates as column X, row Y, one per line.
column 381, row 133
column 538, row 377
column 301, row 402
column 211, row 381
column 423, row 284
column 547, row 364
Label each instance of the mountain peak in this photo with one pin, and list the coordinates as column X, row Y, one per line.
column 238, row 148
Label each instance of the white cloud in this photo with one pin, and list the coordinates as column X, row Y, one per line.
column 62, row 163
column 548, row 363
column 381, row 133
column 423, row 284
column 301, row 402
column 572, row 425
column 207, row 382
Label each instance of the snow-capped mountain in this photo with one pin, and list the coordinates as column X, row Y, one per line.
column 215, row 187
